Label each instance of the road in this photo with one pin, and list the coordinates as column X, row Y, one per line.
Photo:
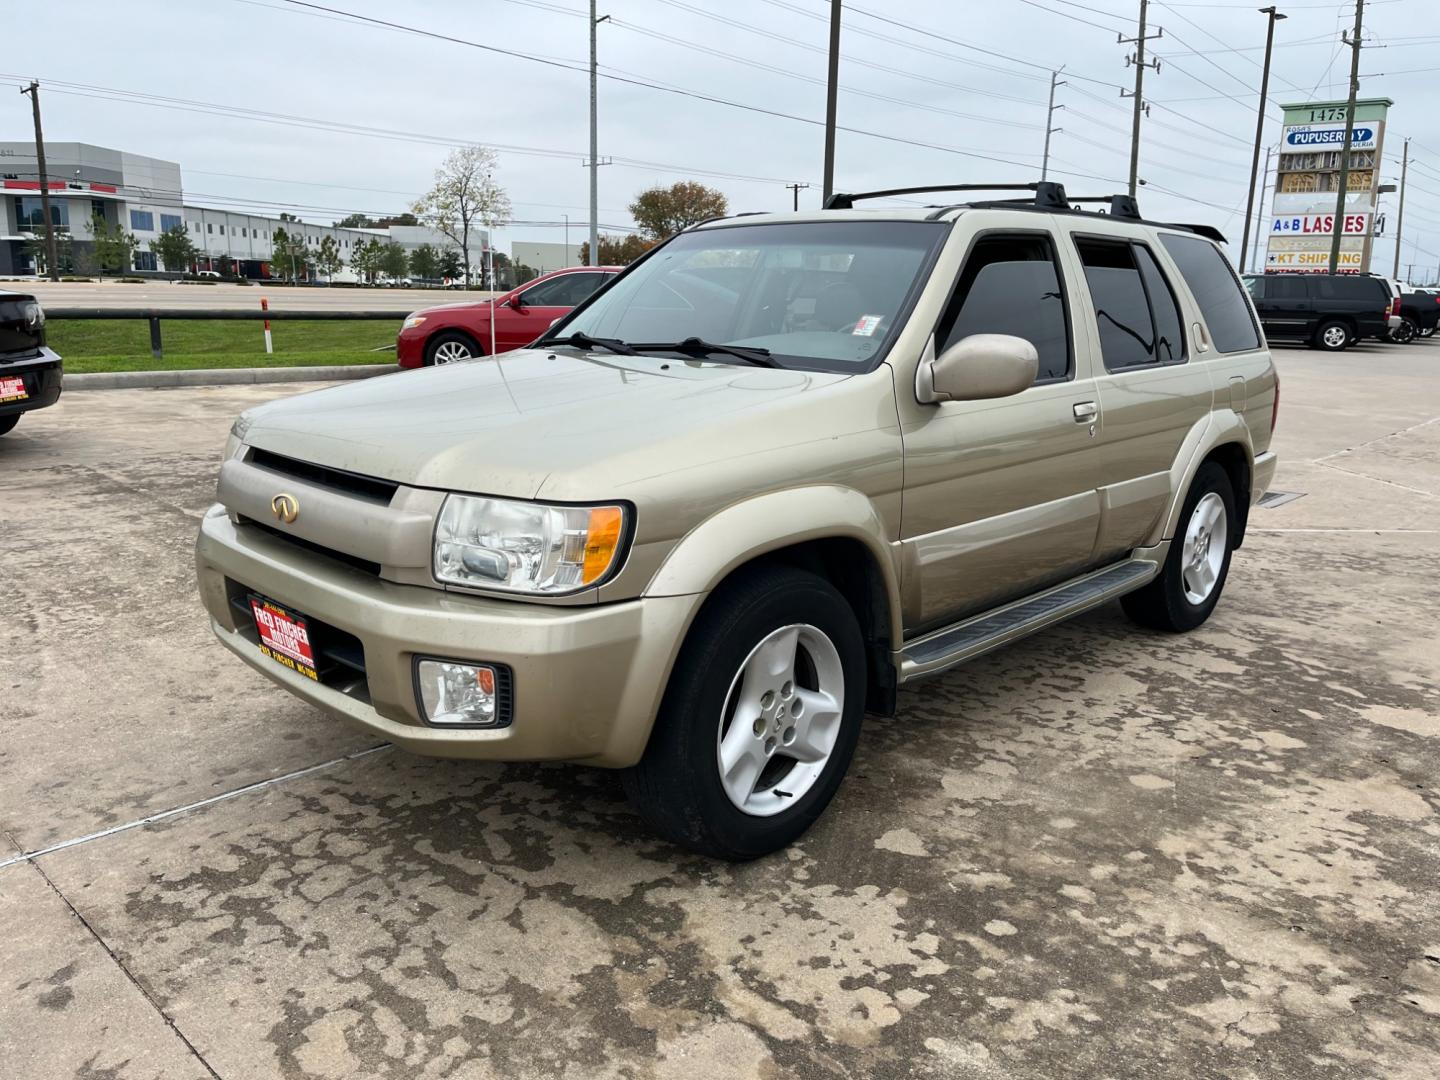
column 163, row 294
column 1099, row 853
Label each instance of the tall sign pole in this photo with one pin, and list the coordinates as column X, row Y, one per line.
column 1400, row 216
column 1275, row 17
column 51, row 255
column 1138, row 59
column 1260, row 216
column 1354, row 44
column 1050, row 128
column 831, row 87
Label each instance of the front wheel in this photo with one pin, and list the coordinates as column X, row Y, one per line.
column 1332, row 336
column 1189, row 584
column 450, row 347
column 760, row 719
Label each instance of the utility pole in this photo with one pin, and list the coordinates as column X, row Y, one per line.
column 832, row 85
column 797, row 188
column 594, row 142
column 1138, row 59
column 1050, row 129
column 1400, row 216
column 1261, row 216
column 51, row 255
column 1275, row 17
column 1354, row 44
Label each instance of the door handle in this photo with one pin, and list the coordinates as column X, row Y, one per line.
column 1085, row 412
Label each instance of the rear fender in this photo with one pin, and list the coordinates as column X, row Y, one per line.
column 1218, row 428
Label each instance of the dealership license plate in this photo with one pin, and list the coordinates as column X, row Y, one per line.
column 12, row 388
column 284, row 636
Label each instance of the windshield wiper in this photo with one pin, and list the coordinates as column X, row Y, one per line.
column 694, row 346
column 585, row 341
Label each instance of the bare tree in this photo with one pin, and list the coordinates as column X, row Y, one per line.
column 465, row 194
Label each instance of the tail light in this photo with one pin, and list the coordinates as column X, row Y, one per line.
column 1394, row 308
column 1275, row 408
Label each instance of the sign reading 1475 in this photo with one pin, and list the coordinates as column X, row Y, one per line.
column 1330, row 112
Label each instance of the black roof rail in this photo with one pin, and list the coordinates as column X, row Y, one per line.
column 1047, row 195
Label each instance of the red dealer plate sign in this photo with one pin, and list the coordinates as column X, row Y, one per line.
column 12, row 388
column 284, row 637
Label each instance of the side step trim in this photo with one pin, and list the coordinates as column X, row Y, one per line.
column 951, row 645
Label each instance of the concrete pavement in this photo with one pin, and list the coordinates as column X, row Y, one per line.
column 165, row 294
column 1100, row 853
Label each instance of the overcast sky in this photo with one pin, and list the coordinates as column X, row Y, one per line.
column 906, row 82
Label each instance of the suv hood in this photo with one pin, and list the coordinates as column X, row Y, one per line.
column 592, row 424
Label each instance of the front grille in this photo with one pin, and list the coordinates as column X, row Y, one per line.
column 339, row 656
column 353, row 561
column 362, row 487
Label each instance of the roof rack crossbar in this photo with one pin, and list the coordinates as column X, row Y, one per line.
column 1045, row 193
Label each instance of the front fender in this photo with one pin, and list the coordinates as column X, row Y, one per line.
column 750, row 528
column 1215, row 429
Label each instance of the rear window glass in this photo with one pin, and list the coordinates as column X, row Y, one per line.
column 1217, row 290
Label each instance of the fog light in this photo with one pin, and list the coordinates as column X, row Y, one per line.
column 460, row 694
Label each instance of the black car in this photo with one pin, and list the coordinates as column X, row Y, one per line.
column 1421, row 308
column 1325, row 311
column 29, row 372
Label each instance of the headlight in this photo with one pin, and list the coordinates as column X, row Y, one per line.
column 525, row 547
column 412, row 321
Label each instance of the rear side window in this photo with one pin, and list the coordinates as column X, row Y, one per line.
column 1133, row 333
column 1287, row 288
column 1216, row 289
column 1351, row 288
column 1011, row 285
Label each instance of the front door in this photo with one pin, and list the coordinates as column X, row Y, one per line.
column 1000, row 497
column 540, row 305
column 1288, row 310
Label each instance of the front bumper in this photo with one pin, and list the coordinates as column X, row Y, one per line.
column 410, row 348
column 587, row 680
column 42, row 375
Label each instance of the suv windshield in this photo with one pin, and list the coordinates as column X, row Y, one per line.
column 826, row 295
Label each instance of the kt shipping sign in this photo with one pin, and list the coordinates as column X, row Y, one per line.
column 1319, row 137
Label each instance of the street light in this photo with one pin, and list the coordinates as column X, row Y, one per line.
column 1274, row 17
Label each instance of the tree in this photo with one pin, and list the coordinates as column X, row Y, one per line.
column 355, row 221
column 284, row 216
column 34, row 247
column 327, row 257
column 174, row 248
column 450, row 263
column 365, row 259
column 425, row 262
column 394, row 262
column 662, row 212
column 617, row 251
column 465, row 195
column 114, row 247
column 289, row 255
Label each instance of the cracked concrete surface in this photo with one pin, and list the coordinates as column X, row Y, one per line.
column 1099, row 853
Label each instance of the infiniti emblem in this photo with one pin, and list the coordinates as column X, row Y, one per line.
column 286, row 508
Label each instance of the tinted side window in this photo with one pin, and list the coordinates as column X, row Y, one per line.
column 1011, row 285
column 1287, row 288
column 1213, row 283
column 565, row 291
column 1127, row 334
column 1169, row 332
column 1352, row 288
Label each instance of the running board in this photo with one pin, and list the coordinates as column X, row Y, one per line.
column 945, row 648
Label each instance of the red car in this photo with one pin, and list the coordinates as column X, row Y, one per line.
column 455, row 332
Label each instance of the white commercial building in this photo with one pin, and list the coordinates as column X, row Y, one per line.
column 145, row 196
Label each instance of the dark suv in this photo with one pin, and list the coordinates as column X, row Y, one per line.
column 1324, row 311
column 29, row 372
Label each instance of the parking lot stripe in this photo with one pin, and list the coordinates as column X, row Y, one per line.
column 153, row 818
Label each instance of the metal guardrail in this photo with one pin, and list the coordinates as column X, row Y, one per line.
column 155, row 315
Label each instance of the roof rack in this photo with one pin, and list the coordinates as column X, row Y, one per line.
column 1048, row 196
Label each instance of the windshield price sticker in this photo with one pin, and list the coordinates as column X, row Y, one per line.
column 867, row 325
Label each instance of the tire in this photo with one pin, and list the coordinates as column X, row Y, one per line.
column 451, row 347
column 729, row 694
column 7, row 423
column 1426, row 331
column 1174, row 601
column 1333, row 336
column 1405, row 332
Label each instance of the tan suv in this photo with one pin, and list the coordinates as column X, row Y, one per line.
column 780, row 466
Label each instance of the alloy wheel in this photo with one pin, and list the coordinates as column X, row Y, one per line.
column 451, row 352
column 1203, row 550
column 780, row 720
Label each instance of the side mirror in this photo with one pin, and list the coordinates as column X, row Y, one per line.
column 517, row 302
column 978, row 367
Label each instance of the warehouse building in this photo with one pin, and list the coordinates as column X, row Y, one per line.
column 145, row 196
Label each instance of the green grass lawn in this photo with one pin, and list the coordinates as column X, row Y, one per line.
column 89, row 345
